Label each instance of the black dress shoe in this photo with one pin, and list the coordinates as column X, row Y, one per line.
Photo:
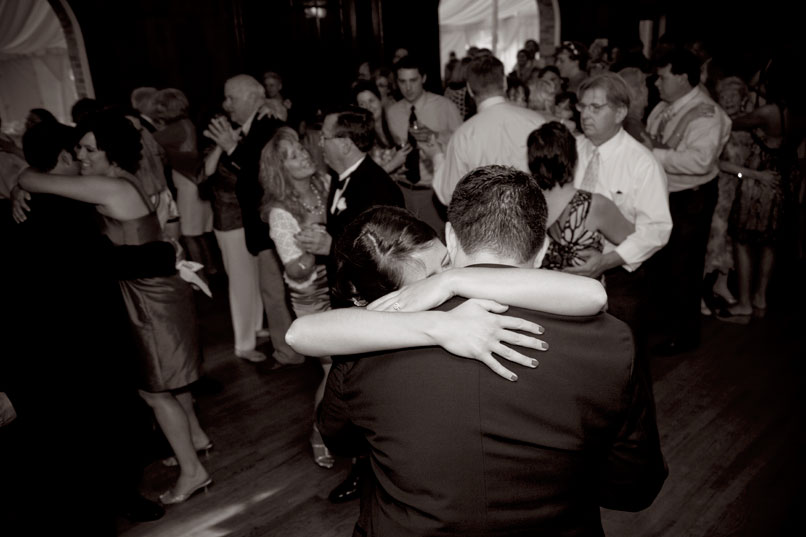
column 349, row 489
column 139, row 509
column 674, row 347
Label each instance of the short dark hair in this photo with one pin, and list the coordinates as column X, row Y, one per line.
column 499, row 209
column 84, row 107
column 361, row 86
column 116, row 136
column 485, row 74
column 514, row 83
column 409, row 62
column 374, row 249
column 356, row 124
column 681, row 61
column 43, row 143
column 552, row 154
column 41, row 114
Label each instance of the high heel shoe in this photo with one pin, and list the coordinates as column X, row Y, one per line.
column 321, row 455
column 169, row 498
column 204, row 451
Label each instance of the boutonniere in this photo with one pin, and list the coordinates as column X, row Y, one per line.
column 341, row 205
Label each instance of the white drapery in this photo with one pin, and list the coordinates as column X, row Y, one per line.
column 34, row 64
column 467, row 23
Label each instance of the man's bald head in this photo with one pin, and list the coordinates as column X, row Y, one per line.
column 243, row 95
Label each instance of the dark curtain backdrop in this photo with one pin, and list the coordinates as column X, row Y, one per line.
column 195, row 45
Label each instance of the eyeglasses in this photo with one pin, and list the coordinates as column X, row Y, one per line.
column 322, row 138
column 595, row 108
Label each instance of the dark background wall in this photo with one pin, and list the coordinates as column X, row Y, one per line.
column 195, row 45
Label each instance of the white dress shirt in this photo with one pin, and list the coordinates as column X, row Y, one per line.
column 695, row 160
column 634, row 180
column 495, row 135
column 344, row 180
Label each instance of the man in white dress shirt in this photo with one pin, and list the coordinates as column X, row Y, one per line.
column 612, row 163
column 691, row 162
column 495, row 135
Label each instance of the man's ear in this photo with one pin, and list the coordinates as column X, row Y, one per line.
column 65, row 158
column 621, row 114
column 541, row 253
column 425, row 77
column 451, row 242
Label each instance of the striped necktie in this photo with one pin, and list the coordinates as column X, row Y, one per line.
column 591, row 176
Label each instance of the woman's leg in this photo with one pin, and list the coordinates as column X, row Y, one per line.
column 744, row 268
column 766, row 263
column 197, row 434
column 174, row 423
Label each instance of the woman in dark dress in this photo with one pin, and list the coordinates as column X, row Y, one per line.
column 160, row 309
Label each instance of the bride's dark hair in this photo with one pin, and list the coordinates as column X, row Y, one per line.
column 374, row 249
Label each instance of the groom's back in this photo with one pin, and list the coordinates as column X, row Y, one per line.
column 458, row 450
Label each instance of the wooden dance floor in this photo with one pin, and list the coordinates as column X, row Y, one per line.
column 730, row 416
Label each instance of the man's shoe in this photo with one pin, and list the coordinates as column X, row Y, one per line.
column 139, row 509
column 673, row 347
column 251, row 355
column 349, row 489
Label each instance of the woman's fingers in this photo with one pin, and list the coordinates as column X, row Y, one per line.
column 489, row 305
column 497, row 368
column 521, row 340
column 512, row 355
column 516, row 323
column 384, row 303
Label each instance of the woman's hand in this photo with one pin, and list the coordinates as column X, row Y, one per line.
column 398, row 159
column 19, row 207
column 418, row 296
column 475, row 330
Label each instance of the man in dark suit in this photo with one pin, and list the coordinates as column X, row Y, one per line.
column 69, row 369
column 457, row 451
column 237, row 153
column 346, row 138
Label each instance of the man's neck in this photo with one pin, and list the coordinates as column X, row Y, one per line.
column 676, row 99
column 350, row 161
column 487, row 258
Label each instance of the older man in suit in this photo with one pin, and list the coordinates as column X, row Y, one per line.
column 454, row 451
column 236, row 157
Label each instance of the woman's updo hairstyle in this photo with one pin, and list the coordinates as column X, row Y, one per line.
column 116, row 136
column 374, row 249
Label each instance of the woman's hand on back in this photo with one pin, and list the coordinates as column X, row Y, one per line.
column 476, row 329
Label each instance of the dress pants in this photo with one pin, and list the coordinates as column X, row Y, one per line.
column 275, row 302
column 680, row 263
column 246, row 306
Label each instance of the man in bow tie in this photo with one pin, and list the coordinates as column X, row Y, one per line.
column 346, row 137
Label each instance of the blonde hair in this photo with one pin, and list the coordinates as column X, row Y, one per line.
column 276, row 181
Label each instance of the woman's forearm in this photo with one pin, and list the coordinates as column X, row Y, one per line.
column 211, row 161
column 357, row 330
column 536, row 289
column 97, row 190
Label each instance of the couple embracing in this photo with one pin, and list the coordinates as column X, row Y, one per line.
column 454, row 450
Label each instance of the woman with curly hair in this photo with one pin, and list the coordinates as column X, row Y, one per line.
column 294, row 198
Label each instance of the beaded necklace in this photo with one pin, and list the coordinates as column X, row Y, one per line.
column 318, row 207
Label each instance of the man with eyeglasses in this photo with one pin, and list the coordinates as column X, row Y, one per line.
column 612, row 163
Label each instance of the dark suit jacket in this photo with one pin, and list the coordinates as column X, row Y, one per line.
column 456, row 450
column 369, row 185
column 244, row 163
column 68, row 364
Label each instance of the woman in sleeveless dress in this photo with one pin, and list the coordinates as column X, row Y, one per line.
column 585, row 219
column 294, row 198
column 161, row 309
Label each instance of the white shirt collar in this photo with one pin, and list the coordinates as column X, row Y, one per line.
column 248, row 125
column 346, row 173
column 609, row 146
column 491, row 101
column 675, row 107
